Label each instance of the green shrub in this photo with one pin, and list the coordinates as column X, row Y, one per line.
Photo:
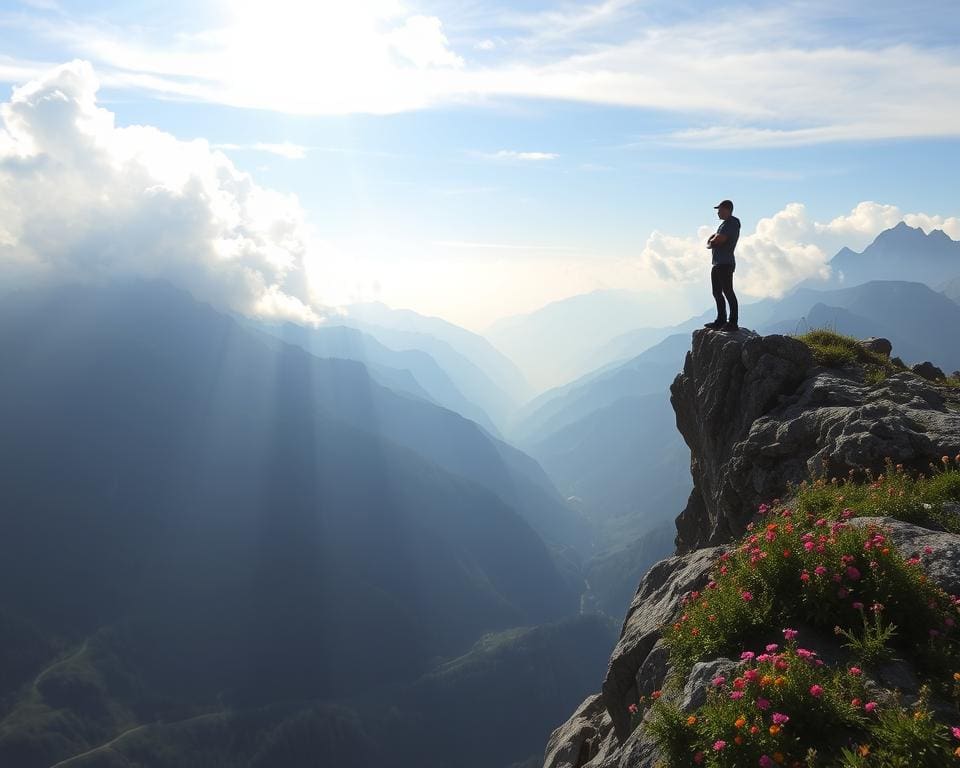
column 802, row 563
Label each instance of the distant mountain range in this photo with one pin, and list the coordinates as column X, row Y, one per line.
column 557, row 343
column 951, row 289
column 485, row 376
column 901, row 253
column 228, row 542
column 204, row 522
column 411, row 371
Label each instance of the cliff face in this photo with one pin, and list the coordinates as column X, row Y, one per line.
column 757, row 415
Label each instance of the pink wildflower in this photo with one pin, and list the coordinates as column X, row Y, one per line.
column 718, row 745
column 870, row 706
column 790, row 634
column 817, row 691
column 763, row 704
column 779, row 718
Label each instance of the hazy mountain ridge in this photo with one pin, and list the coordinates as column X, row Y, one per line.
column 480, row 372
column 219, row 497
column 571, row 330
column 410, row 371
column 900, row 253
column 477, row 348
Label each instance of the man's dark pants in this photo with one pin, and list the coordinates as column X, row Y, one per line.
column 721, row 278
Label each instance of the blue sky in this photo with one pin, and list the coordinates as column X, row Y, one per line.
column 477, row 159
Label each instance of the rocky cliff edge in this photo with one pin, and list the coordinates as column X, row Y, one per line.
column 758, row 416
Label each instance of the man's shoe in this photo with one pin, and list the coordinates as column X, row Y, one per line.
column 715, row 324
column 730, row 327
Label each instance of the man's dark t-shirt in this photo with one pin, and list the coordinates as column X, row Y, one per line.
column 723, row 254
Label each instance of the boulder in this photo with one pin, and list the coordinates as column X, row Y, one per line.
column 878, row 344
column 928, row 371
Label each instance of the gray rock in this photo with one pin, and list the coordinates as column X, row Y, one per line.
column 653, row 671
column 655, row 604
column 638, row 752
column 699, row 680
column 898, row 675
column 598, row 735
column 878, row 344
column 757, row 418
column 728, row 381
column 942, row 566
column 577, row 741
column 928, row 371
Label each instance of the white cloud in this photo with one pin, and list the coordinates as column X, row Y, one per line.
column 779, row 254
column 421, row 41
column 868, row 219
column 510, row 154
column 81, row 199
column 797, row 81
column 284, row 149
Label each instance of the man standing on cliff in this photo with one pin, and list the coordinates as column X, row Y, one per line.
column 722, row 245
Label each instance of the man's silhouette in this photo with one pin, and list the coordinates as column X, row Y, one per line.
column 722, row 244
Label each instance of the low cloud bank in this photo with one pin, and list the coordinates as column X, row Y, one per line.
column 84, row 199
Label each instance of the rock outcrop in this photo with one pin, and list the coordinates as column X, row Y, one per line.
column 879, row 345
column 758, row 415
column 928, row 371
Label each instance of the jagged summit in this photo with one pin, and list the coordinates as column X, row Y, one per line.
column 900, row 253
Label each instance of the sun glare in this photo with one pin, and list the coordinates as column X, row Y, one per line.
column 335, row 54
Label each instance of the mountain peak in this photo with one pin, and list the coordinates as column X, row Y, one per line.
column 901, row 231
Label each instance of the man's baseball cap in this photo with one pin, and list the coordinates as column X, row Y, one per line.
column 725, row 204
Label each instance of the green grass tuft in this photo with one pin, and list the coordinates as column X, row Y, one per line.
column 835, row 350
